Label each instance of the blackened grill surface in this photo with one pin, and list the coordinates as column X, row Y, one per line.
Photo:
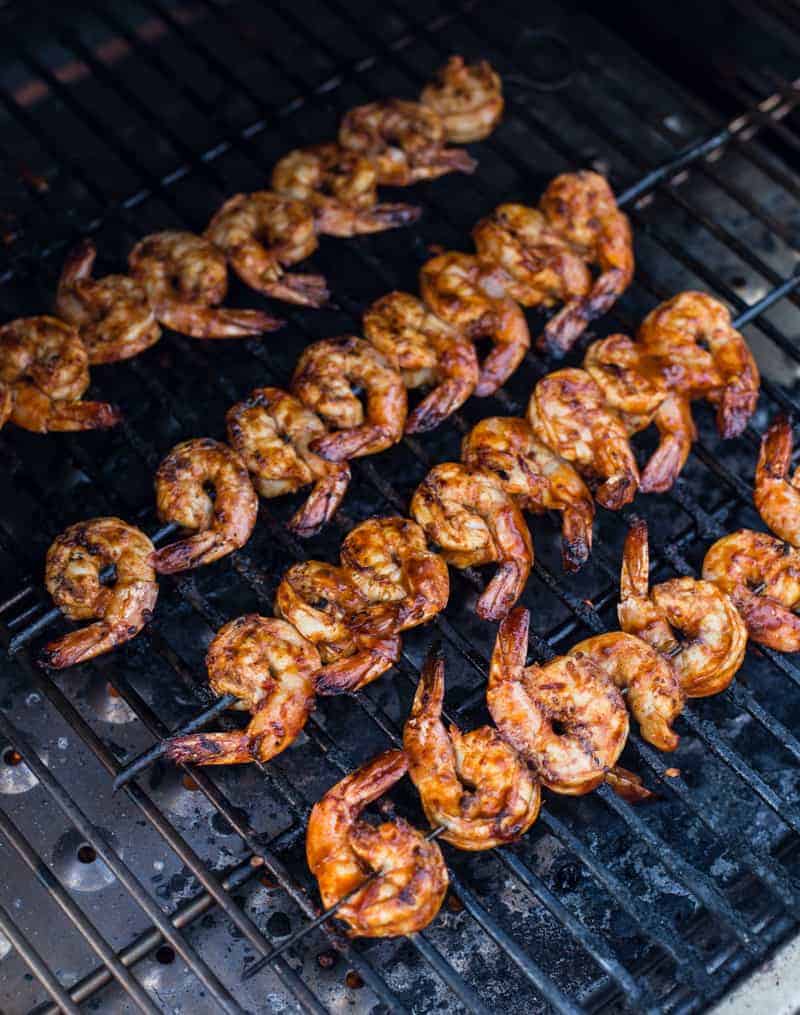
column 145, row 116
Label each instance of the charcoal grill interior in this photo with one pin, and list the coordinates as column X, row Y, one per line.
column 134, row 117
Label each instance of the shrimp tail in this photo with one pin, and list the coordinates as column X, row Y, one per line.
column 351, row 674
column 322, row 503
column 677, row 434
column 79, row 646
column 346, row 222
column 429, row 696
column 305, row 290
column 70, row 416
column 79, row 263
column 576, row 535
column 511, row 646
column 351, row 443
column 373, row 780
column 564, row 328
column 194, row 551
column 634, row 577
column 629, row 785
column 455, row 160
column 211, row 749
column 617, row 491
column 775, row 454
column 498, row 366
column 437, row 406
column 210, row 322
column 736, row 406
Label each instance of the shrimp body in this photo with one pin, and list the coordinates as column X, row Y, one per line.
column 567, row 718
column 474, row 521
column 776, row 493
column 220, row 524
column 467, row 97
column 271, row 431
column 73, row 578
column 409, row 879
column 474, row 784
column 270, row 668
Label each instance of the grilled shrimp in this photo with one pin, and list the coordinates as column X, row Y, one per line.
column 403, row 874
column 712, row 637
column 761, row 575
column 222, row 523
column 464, row 293
column 186, row 279
column 45, row 366
column 341, row 188
column 568, row 413
column 320, row 600
column 567, row 718
column 112, row 314
column 270, row 668
column 536, row 478
column 327, row 379
column 404, row 583
column 427, row 352
column 260, row 234
column 474, row 784
column 404, row 142
column 701, row 355
column 473, row 520
column 467, row 97
column 6, row 403
column 777, row 495
column 73, row 576
column 271, row 431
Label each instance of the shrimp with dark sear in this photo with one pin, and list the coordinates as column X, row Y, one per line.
column 185, row 482
column 777, row 493
column 427, row 352
column 320, row 600
column 403, row 874
column 711, row 637
column 270, row 668
column 473, row 521
column 468, row 98
column 44, row 371
column 536, row 478
column 74, row 576
column 470, row 297
column 186, row 278
column 341, row 188
column 569, row 414
column 404, row 141
column 474, row 785
column 261, row 234
column 271, row 431
column 328, row 379
column 567, row 718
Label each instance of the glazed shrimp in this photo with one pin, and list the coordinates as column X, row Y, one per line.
column 45, row 367
column 186, row 279
column 474, row 784
column 467, row 97
column 427, row 352
column 320, row 600
column 73, row 576
column 271, row 431
column 404, row 142
column 777, row 495
column 568, row 413
column 403, row 582
column 270, row 668
column 536, row 478
column 112, row 314
column 701, row 355
column 473, row 520
column 326, row 379
column 567, row 718
column 464, row 293
column 341, row 188
column 713, row 636
column 220, row 524
column 761, row 575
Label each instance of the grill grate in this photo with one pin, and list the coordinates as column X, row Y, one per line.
column 601, row 906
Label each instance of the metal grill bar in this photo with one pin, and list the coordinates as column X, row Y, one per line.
column 34, row 961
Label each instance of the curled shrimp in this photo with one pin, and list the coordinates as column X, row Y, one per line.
column 271, row 431
column 474, row 784
column 270, row 668
column 462, row 292
column 567, row 718
column 568, row 413
column 44, row 370
column 341, row 188
column 536, row 478
column 327, row 378
column 74, row 576
column 220, row 524
column 403, row 874
column 777, row 495
column 320, row 600
column 712, row 637
column 474, row 521
column 467, row 97
column 185, row 278
column 427, row 352
column 112, row 314
column 701, row 355
column 404, row 142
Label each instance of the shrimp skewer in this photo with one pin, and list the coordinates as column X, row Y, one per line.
column 468, row 98
column 777, row 495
